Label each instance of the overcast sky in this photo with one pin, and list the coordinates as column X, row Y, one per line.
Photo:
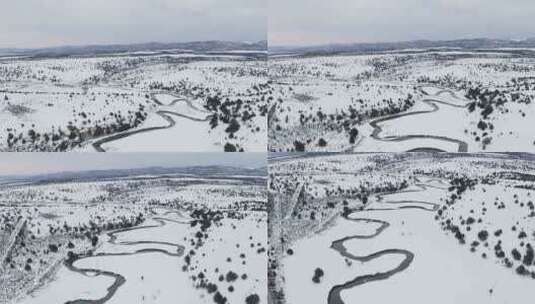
column 36, row 163
column 311, row 22
column 42, row 23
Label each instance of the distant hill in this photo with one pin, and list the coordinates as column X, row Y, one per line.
column 469, row 44
column 88, row 50
column 97, row 175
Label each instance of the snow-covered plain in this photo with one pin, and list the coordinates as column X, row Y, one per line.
column 406, row 228
column 134, row 102
column 135, row 239
column 454, row 101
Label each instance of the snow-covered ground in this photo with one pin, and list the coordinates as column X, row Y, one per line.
column 415, row 227
column 134, row 102
column 454, row 101
column 135, row 239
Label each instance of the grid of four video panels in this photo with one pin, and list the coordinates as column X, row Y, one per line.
column 382, row 152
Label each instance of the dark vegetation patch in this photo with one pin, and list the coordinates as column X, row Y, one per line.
column 318, row 274
column 204, row 222
column 84, row 126
column 312, row 127
column 470, row 229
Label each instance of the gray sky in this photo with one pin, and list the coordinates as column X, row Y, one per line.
column 42, row 23
column 310, row 22
column 35, row 163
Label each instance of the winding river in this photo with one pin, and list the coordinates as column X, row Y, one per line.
column 164, row 114
column 434, row 104
column 119, row 279
column 338, row 245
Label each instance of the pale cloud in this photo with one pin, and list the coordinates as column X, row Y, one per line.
column 35, row 23
column 305, row 22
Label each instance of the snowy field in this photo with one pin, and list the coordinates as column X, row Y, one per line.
column 159, row 101
column 135, row 239
column 403, row 101
column 406, row 228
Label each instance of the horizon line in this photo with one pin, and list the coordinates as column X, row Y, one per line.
column 22, row 175
column 127, row 44
column 297, row 45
